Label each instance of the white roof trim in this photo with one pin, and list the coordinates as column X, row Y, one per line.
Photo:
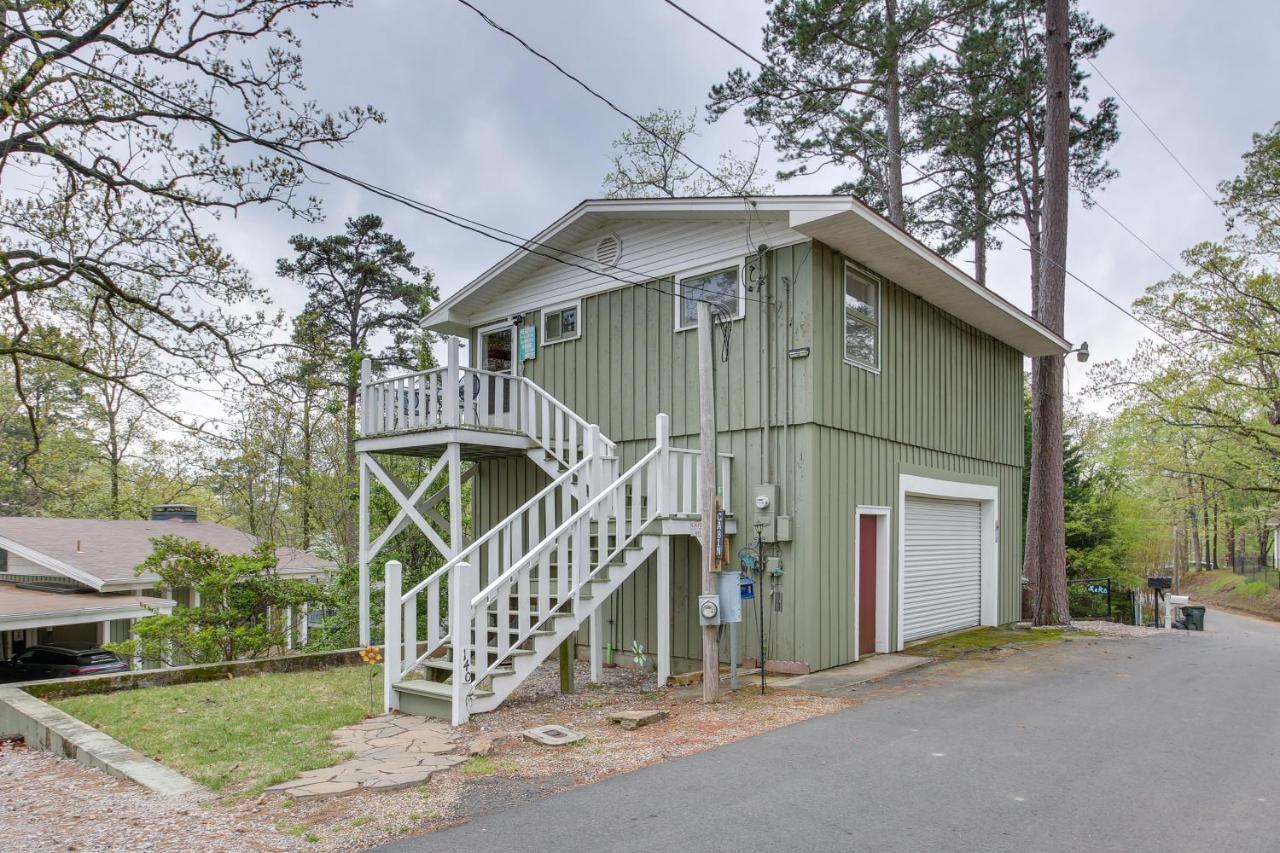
column 42, row 559
column 81, row 615
column 915, row 267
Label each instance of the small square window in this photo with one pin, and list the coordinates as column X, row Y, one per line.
column 560, row 323
column 861, row 320
column 721, row 288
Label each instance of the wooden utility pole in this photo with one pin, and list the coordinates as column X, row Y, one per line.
column 707, row 495
column 1046, row 557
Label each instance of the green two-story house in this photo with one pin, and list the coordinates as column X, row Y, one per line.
column 868, row 407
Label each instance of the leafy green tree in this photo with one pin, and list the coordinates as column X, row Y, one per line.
column 648, row 163
column 116, row 158
column 241, row 614
column 833, row 95
column 362, row 285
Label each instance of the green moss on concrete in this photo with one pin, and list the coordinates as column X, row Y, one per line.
column 983, row 640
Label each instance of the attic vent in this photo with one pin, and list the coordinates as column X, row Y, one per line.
column 608, row 250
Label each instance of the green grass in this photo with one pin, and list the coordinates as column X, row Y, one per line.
column 1253, row 589
column 482, row 765
column 1224, row 583
column 246, row 734
column 982, row 640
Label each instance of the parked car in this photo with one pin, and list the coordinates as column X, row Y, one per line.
column 58, row 661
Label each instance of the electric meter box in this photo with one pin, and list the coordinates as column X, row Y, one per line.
column 709, row 610
column 764, row 511
column 730, row 596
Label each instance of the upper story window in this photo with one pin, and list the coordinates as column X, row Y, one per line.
column 561, row 323
column 722, row 288
column 861, row 320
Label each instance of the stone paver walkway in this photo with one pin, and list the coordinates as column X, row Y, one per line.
column 392, row 751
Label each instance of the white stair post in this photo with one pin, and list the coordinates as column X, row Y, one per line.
column 461, row 591
column 666, row 482
column 391, row 631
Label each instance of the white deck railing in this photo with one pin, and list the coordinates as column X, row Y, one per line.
column 459, row 396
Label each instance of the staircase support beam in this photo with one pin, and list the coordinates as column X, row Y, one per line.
column 664, row 611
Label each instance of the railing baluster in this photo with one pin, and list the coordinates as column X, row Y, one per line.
column 433, row 617
column 636, row 499
column 410, row 657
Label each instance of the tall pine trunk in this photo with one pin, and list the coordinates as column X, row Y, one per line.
column 1046, row 554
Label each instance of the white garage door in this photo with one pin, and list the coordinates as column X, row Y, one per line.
column 941, row 567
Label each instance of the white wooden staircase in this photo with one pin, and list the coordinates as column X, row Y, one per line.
column 528, row 584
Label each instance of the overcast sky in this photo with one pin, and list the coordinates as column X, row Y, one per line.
column 479, row 127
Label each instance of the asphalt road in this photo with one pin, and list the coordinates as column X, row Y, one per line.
column 1167, row 743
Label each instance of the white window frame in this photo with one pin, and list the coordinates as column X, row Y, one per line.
column 738, row 265
column 844, row 318
column 547, row 341
column 481, row 331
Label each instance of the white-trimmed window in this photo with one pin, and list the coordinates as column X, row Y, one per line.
column 562, row 322
column 861, row 319
column 721, row 287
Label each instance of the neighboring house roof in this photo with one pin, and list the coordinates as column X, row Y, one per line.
column 841, row 222
column 30, row 608
column 102, row 553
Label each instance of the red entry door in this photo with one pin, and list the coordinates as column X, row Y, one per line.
column 866, row 584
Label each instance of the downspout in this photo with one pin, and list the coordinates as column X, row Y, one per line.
column 789, row 458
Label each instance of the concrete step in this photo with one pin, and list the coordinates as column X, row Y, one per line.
column 429, row 698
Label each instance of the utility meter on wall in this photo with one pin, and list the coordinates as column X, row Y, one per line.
column 709, row 609
column 762, row 502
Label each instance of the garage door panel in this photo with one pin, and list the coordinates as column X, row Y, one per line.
column 941, row 570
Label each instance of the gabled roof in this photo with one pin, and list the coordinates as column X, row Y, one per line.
column 102, row 553
column 841, row 222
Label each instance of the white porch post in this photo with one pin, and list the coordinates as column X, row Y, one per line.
column 595, row 637
column 450, row 398
column 104, row 632
column 455, row 497
column 304, row 626
column 288, row 628
column 391, row 627
column 365, row 631
column 664, row 610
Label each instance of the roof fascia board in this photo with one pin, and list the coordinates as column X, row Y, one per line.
column 42, row 559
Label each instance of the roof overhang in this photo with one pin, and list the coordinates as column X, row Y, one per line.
column 889, row 251
column 54, row 565
column 78, row 609
column 840, row 221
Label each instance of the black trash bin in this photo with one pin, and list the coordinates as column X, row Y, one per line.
column 1193, row 615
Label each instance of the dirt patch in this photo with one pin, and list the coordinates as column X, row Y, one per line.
column 51, row 803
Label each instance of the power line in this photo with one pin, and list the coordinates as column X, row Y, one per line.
column 740, row 192
column 1153, row 133
column 457, row 220
column 769, row 67
column 604, row 100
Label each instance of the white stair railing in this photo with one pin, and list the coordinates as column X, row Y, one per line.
column 583, row 545
column 485, row 559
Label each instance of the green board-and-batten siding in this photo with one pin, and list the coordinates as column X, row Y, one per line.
column 947, row 402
